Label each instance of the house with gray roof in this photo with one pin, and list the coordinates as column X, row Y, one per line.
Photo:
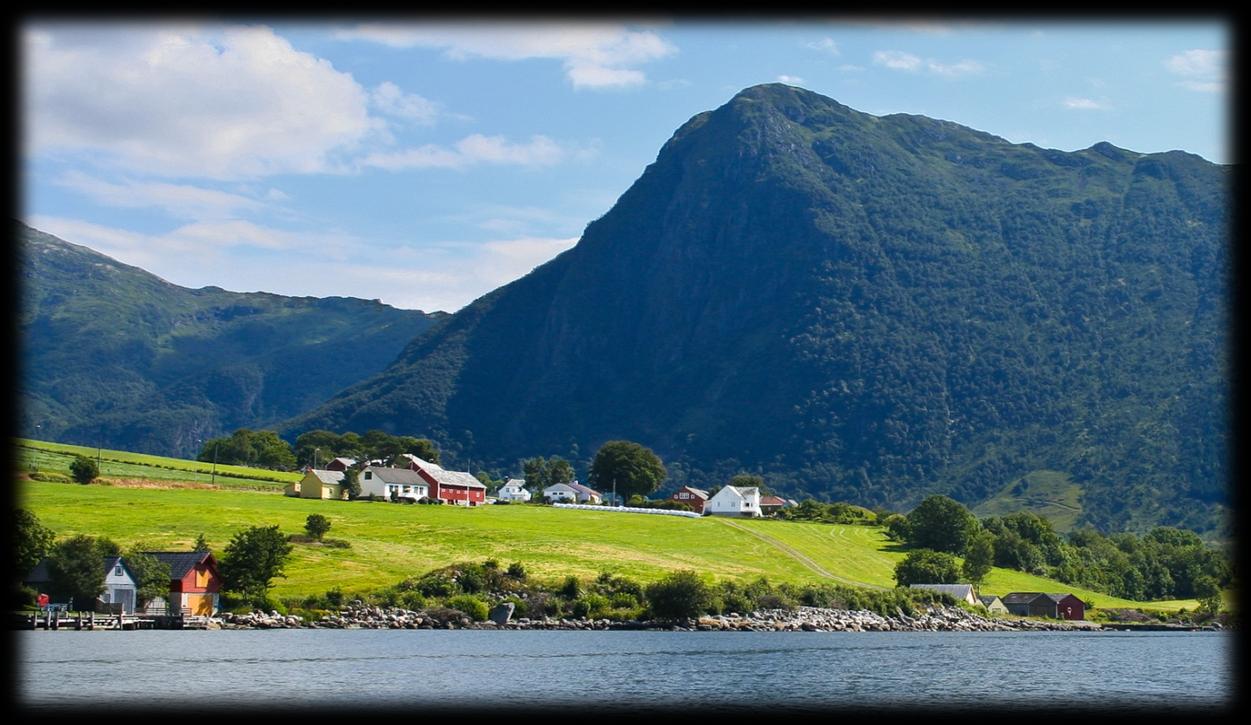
column 742, row 501
column 958, row 592
column 393, row 484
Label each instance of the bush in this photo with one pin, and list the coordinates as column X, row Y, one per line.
column 516, row 570
column 571, row 588
column 50, row 477
column 924, row 566
column 472, row 606
column 437, row 584
column 681, row 595
column 411, row 600
column 84, row 469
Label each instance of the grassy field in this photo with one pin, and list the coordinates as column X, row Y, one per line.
column 46, row 457
column 391, row 541
column 1050, row 494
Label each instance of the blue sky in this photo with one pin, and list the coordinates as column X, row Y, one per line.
column 427, row 163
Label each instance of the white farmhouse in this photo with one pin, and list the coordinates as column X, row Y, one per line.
column 561, row 492
column 393, row 483
column 513, row 490
column 734, row 501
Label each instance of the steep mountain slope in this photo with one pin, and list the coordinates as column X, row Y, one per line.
column 864, row 308
column 113, row 355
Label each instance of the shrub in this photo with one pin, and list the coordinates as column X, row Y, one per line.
column 571, row 588
column 924, row 566
column 516, row 570
column 84, row 469
column 472, row 606
column 436, row 584
column 411, row 600
column 681, row 595
column 50, row 477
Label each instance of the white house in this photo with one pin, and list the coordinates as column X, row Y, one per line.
column 513, row 490
column 393, row 483
column 734, row 501
column 561, row 492
column 586, row 494
column 119, row 584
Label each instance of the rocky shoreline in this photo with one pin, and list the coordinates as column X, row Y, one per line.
column 802, row 619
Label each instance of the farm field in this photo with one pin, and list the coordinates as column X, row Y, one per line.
column 390, row 542
column 46, row 457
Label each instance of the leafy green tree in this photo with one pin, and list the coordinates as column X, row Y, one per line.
column 1208, row 592
column 631, row 467
column 536, row 474
column 317, row 447
column 84, row 469
column 941, row 524
column 316, row 525
column 896, row 527
column 252, row 559
column 749, row 480
column 979, row 557
column 352, row 482
column 559, row 470
column 201, row 544
column 32, row 542
column 76, row 569
column 925, row 566
column 680, row 595
column 152, row 576
column 246, row 447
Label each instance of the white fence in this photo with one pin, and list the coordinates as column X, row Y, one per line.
column 627, row 509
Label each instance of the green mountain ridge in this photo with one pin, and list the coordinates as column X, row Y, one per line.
column 113, row 355
column 861, row 308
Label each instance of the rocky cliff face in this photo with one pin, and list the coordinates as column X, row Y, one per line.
column 859, row 307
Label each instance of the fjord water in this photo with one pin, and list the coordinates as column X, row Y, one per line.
column 1152, row 671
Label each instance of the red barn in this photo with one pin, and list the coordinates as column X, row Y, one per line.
column 693, row 497
column 1068, row 606
column 454, row 487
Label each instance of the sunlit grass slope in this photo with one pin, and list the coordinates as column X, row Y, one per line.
column 390, row 541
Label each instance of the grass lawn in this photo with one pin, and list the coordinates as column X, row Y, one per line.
column 392, row 541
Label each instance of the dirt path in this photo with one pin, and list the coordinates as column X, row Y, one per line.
column 798, row 556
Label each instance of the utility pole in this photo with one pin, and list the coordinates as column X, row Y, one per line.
column 215, row 444
column 614, row 490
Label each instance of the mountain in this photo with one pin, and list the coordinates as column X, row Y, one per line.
column 113, row 355
column 860, row 308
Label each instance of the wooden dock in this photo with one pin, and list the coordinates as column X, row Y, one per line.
column 90, row 621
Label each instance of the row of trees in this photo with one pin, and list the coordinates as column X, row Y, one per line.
column 264, row 448
column 1165, row 563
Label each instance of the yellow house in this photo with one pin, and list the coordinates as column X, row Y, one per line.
column 319, row 483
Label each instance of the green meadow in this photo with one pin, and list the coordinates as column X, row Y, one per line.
column 390, row 542
column 46, row 457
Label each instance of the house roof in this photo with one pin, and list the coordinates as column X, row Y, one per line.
column 697, row 491
column 327, row 476
column 1020, row 597
column 346, row 461
column 1060, row 597
column 180, row 562
column 444, row 476
column 514, row 483
column 583, row 489
column 772, row 501
column 959, row 591
column 40, row 573
column 988, row 599
column 396, row 475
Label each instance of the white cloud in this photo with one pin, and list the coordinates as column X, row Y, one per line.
column 897, row 60
column 593, row 55
column 964, row 67
column 170, row 101
column 825, row 45
column 478, row 149
column 1085, row 104
column 1200, row 69
column 180, row 200
column 389, row 99
column 790, row 80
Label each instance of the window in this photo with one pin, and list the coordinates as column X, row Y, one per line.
column 369, row 475
column 117, row 570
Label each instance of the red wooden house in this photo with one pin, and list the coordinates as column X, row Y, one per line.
column 454, row 487
column 194, row 581
column 693, row 497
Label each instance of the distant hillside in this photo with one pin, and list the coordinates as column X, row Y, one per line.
column 113, row 355
column 860, row 308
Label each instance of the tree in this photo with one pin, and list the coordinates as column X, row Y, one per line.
column 680, row 595
column 536, row 475
column 351, row 482
column 201, row 543
column 152, row 576
column 316, row 525
column 559, row 470
column 84, row 469
column 979, row 557
column 941, row 524
column 32, row 542
column 925, row 566
column 252, row 559
column 631, row 467
column 749, row 480
column 76, row 569
column 896, row 527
